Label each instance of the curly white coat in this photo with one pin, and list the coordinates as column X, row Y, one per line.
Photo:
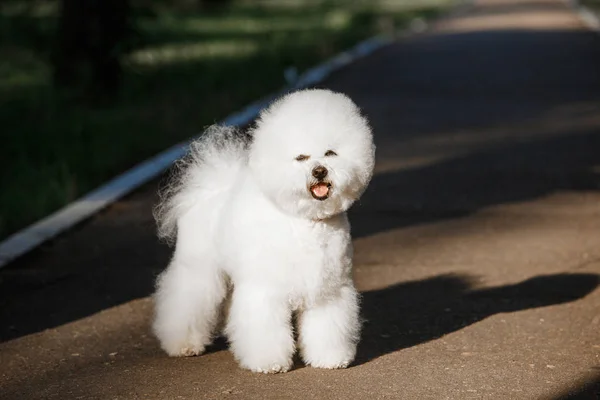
column 255, row 247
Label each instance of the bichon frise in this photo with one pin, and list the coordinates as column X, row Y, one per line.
column 262, row 235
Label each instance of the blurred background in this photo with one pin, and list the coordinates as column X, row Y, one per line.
column 90, row 88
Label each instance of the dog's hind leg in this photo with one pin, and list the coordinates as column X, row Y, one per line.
column 189, row 294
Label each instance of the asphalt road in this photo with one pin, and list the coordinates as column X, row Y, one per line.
column 477, row 243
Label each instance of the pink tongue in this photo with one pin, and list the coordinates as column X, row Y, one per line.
column 320, row 189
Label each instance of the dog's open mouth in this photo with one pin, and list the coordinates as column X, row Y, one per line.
column 320, row 190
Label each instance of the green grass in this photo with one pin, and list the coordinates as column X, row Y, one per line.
column 190, row 68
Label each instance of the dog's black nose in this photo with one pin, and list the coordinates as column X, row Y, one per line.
column 319, row 172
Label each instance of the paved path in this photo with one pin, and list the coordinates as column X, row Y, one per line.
column 477, row 245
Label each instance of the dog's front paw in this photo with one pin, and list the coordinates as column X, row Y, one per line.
column 191, row 351
column 330, row 364
column 270, row 369
column 332, row 358
column 184, row 351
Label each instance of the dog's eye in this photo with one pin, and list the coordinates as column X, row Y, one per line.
column 302, row 157
column 330, row 153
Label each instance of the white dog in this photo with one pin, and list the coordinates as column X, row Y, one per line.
column 260, row 219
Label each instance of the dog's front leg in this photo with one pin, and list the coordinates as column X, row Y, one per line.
column 260, row 330
column 329, row 331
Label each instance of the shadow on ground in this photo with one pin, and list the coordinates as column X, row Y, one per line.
column 588, row 389
column 410, row 313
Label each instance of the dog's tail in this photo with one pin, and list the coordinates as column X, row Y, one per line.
column 209, row 169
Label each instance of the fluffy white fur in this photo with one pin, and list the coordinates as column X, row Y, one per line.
column 254, row 247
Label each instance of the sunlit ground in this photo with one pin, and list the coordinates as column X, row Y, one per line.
column 188, row 68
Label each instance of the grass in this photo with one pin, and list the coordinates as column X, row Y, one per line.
column 190, row 68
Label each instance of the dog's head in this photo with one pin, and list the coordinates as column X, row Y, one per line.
column 312, row 153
